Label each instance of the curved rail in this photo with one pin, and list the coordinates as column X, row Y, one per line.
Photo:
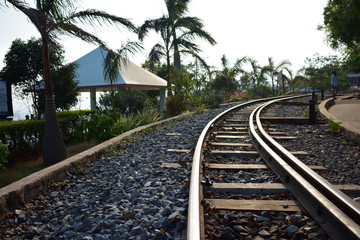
column 327, row 205
column 193, row 226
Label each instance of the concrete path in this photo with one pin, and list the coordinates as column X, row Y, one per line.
column 347, row 110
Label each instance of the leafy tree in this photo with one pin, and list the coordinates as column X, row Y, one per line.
column 125, row 101
column 319, row 69
column 294, row 78
column 342, row 26
column 351, row 61
column 199, row 74
column 53, row 18
column 225, row 79
column 258, row 79
column 274, row 69
column 342, row 22
column 177, row 32
column 66, row 88
column 24, row 68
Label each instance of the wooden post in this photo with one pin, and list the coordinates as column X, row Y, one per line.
column 312, row 112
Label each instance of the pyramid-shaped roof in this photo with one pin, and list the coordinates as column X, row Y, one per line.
column 90, row 74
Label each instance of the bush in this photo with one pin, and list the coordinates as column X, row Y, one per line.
column 24, row 138
column 174, row 105
column 96, row 126
column 69, row 121
column 4, row 153
column 127, row 122
column 237, row 97
column 147, row 116
column 212, row 97
column 125, row 101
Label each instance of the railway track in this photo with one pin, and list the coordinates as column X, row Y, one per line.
column 237, row 141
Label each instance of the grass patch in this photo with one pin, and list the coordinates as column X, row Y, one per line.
column 334, row 126
column 22, row 169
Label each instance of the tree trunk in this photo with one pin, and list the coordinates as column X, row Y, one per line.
column 177, row 61
column 170, row 93
column 53, row 145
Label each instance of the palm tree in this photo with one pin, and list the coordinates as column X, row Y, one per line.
column 293, row 79
column 274, row 69
column 53, row 18
column 258, row 76
column 177, row 32
column 226, row 78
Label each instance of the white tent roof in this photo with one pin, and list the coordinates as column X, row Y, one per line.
column 90, row 74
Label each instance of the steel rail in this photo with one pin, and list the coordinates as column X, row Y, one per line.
column 334, row 211
column 193, row 223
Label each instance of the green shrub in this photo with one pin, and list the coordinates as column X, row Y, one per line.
column 237, row 97
column 69, row 121
column 127, row 122
column 212, row 97
column 174, row 105
column 24, row 138
column 97, row 126
column 4, row 153
column 125, row 101
column 334, row 126
column 147, row 116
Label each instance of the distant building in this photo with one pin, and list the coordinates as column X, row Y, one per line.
column 90, row 77
column 355, row 82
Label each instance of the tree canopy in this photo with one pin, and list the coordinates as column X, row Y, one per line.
column 342, row 22
column 24, row 69
column 52, row 19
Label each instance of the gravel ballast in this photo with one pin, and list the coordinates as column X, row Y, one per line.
column 130, row 196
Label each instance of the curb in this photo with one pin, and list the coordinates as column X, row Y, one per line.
column 17, row 193
column 324, row 107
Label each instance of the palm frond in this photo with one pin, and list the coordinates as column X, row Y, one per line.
column 187, row 44
column 145, row 28
column 237, row 68
column 156, row 53
column 127, row 50
column 194, row 30
column 188, row 23
column 73, row 30
column 93, row 17
column 111, row 67
column 18, row 4
column 55, row 8
column 202, row 61
column 120, row 57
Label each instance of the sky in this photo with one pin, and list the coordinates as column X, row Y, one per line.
column 281, row 29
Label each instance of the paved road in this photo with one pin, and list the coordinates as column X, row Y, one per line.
column 348, row 111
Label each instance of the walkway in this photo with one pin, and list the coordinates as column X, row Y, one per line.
column 345, row 109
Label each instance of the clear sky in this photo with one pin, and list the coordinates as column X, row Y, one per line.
column 282, row 29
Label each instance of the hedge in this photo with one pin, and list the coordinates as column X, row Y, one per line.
column 24, row 138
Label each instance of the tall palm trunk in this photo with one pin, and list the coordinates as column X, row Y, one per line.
column 177, row 61
column 53, row 145
column 170, row 93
